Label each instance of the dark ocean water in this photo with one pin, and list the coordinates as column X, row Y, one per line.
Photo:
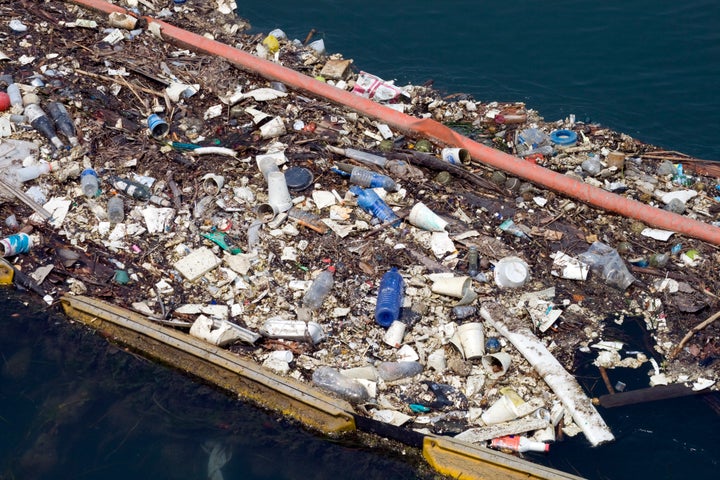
column 73, row 406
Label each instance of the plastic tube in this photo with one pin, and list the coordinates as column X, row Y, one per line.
column 389, row 300
column 562, row 383
column 433, row 130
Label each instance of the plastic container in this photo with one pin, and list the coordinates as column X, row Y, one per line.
column 14, row 244
column 606, row 261
column 592, row 165
column 319, row 290
column 389, row 298
column 516, row 443
column 367, row 178
column 563, row 137
column 42, row 123
column 116, row 209
column 369, row 201
column 89, row 183
column 32, row 172
column 331, row 380
column 63, row 122
column 511, row 272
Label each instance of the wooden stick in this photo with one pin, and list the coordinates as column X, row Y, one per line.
column 606, row 379
column 690, row 334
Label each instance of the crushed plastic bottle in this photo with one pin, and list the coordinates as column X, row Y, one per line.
column 369, row 201
column 331, row 380
column 136, row 190
column 389, row 298
column 319, row 289
column 116, row 209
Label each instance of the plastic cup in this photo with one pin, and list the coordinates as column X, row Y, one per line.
column 503, row 410
column 616, row 159
column 15, row 244
column 422, row 217
column 157, row 126
column 265, row 212
column 452, row 286
column 267, row 164
column 212, row 183
column 511, row 272
column 496, row 364
column 395, row 333
column 278, row 193
column 472, row 340
column 456, row 156
column 273, row 128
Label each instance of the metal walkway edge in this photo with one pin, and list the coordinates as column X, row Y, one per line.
column 289, row 397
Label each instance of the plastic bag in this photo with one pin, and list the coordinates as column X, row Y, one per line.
column 606, row 261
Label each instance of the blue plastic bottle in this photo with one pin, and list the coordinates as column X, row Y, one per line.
column 369, row 201
column 389, row 298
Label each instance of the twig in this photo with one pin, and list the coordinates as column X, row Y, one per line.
column 690, row 334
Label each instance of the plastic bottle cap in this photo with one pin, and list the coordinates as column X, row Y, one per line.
column 298, row 178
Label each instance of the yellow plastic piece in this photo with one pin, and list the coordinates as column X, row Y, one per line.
column 464, row 461
column 271, row 43
column 6, row 272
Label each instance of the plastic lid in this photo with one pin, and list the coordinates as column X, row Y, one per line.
column 298, row 178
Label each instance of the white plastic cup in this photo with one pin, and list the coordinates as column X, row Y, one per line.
column 273, row 128
column 265, row 212
column 503, row 410
column 278, row 193
column 267, row 164
column 511, row 272
column 452, row 286
column 212, row 184
column 455, row 156
column 472, row 339
column 422, row 217
column 395, row 333
column 496, row 364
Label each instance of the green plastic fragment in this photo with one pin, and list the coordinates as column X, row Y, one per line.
column 219, row 238
column 417, row 408
column 121, row 277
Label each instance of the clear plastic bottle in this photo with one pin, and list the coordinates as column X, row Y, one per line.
column 473, row 260
column 89, row 182
column 517, row 443
column 32, row 172
column 365, row 157
column 390, row 371
column 369, row 201
column 42, row 123
column 335, row 382
column 368, row 178
column 389, row 300
column 63, row 122
column 116, row 209
column 319, row 289
column 16, row 100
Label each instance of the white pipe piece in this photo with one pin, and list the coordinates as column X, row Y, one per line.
column 214, row 151
column 558, row 379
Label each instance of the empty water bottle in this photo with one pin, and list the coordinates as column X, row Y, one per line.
column 89, row 182
column 130, row 188
column 367, row 178
column 369, row 201
column 331, row 380
column 390, row 371
column 389, row 298
column 116, row 209
column 32, row 172
column 473, row 260
column 319, row 289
